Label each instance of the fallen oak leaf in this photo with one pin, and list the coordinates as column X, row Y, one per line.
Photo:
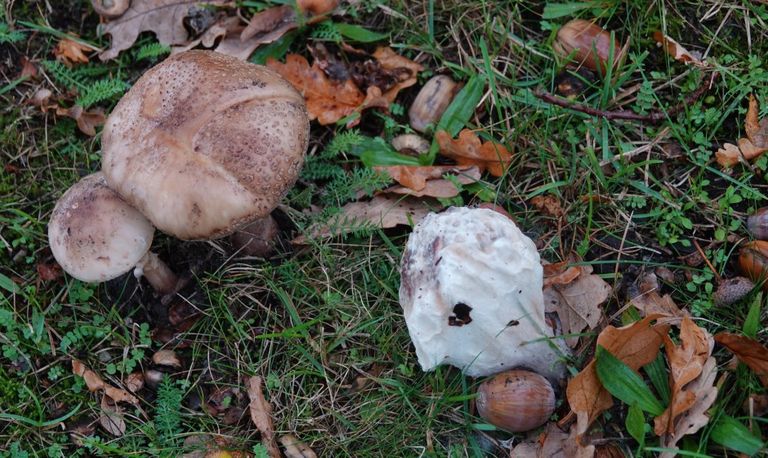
column 755, row 128
column 265, row 27
column 469, row 150
column 577, row 303
column 111, row 418
column 327, row 100
column 749, row 351
column 406, row 70
column 686, row 362
column 560, row 273
column 87, row 121
column 696, row 416
column 261, row 415
column 163, row 17
column 70, row 52
column 429, row 180
column 549, row 205
column 676, row 50
column 636, row 345
column 645, row 297
column 382, row 211
column 728, row 156
column 95, row 383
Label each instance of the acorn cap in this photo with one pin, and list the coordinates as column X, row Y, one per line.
column 94, row 234
column 204, row 143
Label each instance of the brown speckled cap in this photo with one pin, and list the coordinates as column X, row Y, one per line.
column 204, row 143
column 94, row 234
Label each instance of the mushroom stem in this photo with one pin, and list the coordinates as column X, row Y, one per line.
column 257, row 238
column 157, row 273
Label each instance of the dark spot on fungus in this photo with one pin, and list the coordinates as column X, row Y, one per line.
column 460, row 315
column 513, row 323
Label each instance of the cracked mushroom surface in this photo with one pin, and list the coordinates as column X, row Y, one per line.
column 471, row 292
column 204, row 143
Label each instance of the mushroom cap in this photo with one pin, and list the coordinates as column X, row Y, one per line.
column 204, row 143
column 94, row 234
column 471, row 292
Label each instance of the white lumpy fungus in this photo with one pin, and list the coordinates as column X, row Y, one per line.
column 471, row 292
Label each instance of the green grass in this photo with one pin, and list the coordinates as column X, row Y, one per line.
column 321, row 323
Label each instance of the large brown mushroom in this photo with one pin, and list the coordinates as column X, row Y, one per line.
column 96, row 236
column 205, row 143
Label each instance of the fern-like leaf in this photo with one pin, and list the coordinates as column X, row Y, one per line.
column 168, row 416
column 10, row 36
column 104, row 89
column 152, row 50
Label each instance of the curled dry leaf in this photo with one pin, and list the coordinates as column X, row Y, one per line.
column 405, row 69
column 577, row 302
column 552, row 443
column 261, row 415
column 111, row 418
column 644, row 295
column 327, row 100
column 695, row 416
column 382, row 211
column 134, row 381
column 686, row 362
column 294, row 448
column 163, row 17
column 751, row 147
column 636, row 345
column 95, row 383
column 70, row 52
column 317, row 7
column 166, row 358
column 87, row 121
column 469, row 150
column 749, row 351
column 265, row 27
column 429, row 181
column 41, row 99
column 676, row 50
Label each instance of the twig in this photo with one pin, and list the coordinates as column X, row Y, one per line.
column 709, row 264
column 652, row 117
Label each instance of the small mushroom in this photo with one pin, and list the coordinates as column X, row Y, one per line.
column 471, row 292
column 96, row 236
column 257, row 238
column 110, row 9
column 205, row 143
column 410, row 144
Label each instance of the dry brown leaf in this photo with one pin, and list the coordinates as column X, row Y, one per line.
column 41, row 99
column 686, row 362
column 676, row 50
column 552, row 443
column 70, row 52
column 49, row 272
column 728, row 156
column 327, row 100
column 166, row 358
column 87, row 121
column 163, row 17
column 28, row 69
column 549, row 205
column 265, row 27
column 294, row 448
column 749, row 351
column 469, row 150
column 636, row 345
column 560, row 273
column 94, row 383
column 647, row 300
column 261, row 415
column 577, row 303
column 755, row 128
column 407, row 70
column 428, row 180
column 111, row 418
column 382, row 211
column 134, row 381
column 696, row 416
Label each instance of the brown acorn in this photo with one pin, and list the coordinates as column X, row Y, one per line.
column 516, row 400
column 753, row 260
column 431, row 102
column 757, row 224
column 587, row 44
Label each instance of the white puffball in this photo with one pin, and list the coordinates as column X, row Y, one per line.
column 471, row 292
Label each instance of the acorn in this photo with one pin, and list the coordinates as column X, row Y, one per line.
column 757, row 224
column 431, row 102
column 516, row 400
column 588, row 44
column 753, row 260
